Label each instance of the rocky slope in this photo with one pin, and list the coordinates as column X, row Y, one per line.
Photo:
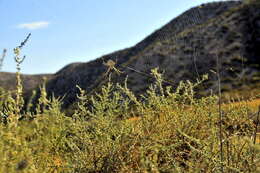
column 185, row 48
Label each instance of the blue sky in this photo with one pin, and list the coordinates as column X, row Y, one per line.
column 66, row 31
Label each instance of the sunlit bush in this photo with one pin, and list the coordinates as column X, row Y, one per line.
column 113, row 131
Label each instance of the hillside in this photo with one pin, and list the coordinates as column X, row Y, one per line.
column 184, row 49
column 8, row 80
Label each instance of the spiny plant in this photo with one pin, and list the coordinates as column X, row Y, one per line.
column 170, row 136
column 19, row 87
column 11, row 108
column 175, row 132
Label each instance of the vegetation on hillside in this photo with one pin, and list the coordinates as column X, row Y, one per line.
column 113, row 131
column 165, row 130
column 183, row 49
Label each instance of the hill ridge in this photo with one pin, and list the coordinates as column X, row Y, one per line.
column 183, row 48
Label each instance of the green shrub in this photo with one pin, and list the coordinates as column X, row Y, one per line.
column 172, row 132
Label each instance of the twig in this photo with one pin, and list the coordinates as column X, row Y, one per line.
column 220, row 113
column 2, row 58
column 255, row 133
column 256, row 125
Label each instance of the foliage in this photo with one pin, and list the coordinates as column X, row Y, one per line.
column 164, row 130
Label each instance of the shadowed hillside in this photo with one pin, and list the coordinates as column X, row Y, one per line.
column 184, row 49
column 8, row 80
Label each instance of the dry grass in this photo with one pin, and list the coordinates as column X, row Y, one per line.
column 252, row 104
